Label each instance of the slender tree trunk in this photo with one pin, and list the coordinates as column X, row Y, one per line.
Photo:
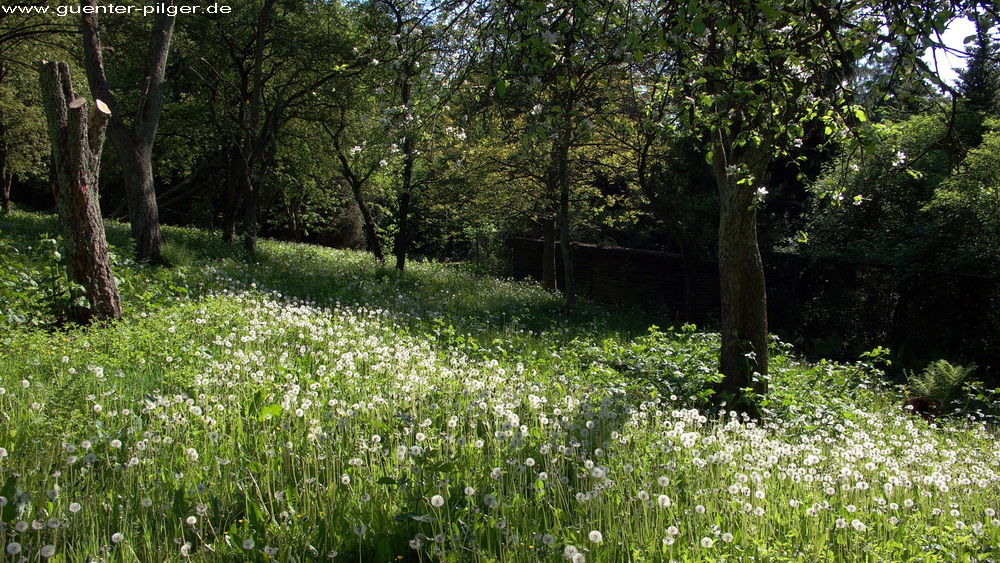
column 6, row 179
column 403, row 235
column 76, row 140
column 134, row 145
column 691, row 260
column 254, row 137
column 356, row 184
column 371, row 233
column 250, row 217
column 549, row 253
column 743, row 360
column 561, row 164
column 234, row 196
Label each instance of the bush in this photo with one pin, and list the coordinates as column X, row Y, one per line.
column 944, row 383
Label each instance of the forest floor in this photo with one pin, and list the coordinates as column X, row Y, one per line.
column 311, row 404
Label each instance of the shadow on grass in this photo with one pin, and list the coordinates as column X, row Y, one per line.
column 425, row 296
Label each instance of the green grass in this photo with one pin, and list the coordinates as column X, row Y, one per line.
column 311, row 404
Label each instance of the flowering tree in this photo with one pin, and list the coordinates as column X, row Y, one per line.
column 753, row 74
column 558, row 59
column 428, row 66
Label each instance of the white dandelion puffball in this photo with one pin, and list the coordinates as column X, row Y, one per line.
column 437, row 501
column 595, row 536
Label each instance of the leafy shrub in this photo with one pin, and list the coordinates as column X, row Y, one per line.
column 680, row 365
column 943, row 382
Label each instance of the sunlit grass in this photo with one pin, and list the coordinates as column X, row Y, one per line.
column 312, row 405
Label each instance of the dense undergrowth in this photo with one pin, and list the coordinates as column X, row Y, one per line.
column 310, row 404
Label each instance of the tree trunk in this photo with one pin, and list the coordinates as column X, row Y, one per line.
column 250, row 218
column 254, row 138
column 234, row 196
column 144, row 215
column 744, row 356
column 356, row 183
column 371, row 233
column 549, row 253
column 561, row 165
column 75, row 161
column 403, row 235
column 134, row 145
column 566, row 246
column 6, row 179
column 691, row 260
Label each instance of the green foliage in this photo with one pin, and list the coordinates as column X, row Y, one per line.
column 680, row 364
column 945, row 383
column 310, row 403
column 34, row 284
column 966, row 207
column 870, row 204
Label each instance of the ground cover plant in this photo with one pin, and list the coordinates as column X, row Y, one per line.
column 311, row 405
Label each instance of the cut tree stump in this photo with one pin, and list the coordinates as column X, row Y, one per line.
column 76, row 139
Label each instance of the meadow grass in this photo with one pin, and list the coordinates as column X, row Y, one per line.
column 310, row 405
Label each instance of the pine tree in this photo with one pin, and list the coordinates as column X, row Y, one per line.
column 980, row 81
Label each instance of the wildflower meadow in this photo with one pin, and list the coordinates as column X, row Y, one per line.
column 312, row 405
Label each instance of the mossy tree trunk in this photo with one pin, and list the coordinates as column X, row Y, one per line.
column 76, row 140
column 743, row 359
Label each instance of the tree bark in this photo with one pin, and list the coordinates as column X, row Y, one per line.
column 255, row 136
column 234, row 196
column 134, row 145
column 743, row 360
column 6, row 176
column 561, row 179
column 549, row 253
column 6, row 179
column 691, row 260
column 250, row 219
column 406, row 190
column 371, row 232
column 403, row 235
column 76, row 142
